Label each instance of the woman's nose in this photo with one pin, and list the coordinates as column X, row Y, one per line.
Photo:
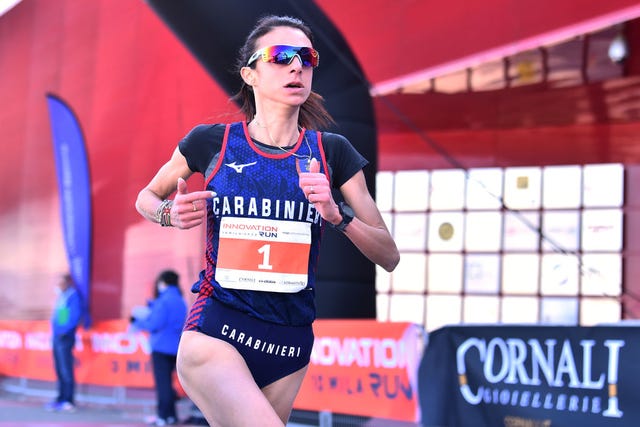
column 296, row 62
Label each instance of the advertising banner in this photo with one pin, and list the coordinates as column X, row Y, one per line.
column 364, row 367
column 531, row 376
column 358, row 367
column 106, row 355
column 74, row 186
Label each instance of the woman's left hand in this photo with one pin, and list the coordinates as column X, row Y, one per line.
column 317, row 190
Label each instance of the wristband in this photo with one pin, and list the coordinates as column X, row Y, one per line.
column 163, row 213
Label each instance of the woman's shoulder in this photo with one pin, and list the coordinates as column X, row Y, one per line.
column 205, row 130
column 334, row 138
column 343, row 158
column 201, row 144
column 338, row 144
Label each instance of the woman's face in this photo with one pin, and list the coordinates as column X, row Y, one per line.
column 287, row 84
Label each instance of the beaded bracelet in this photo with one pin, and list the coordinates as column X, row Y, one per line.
column 163, row 213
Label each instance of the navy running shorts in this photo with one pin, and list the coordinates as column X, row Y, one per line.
column 271, row 351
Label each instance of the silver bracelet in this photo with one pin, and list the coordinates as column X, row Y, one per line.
column 163, row 213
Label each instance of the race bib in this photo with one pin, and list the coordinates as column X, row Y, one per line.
column 263, row 255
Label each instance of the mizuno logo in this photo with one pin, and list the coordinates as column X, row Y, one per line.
column 238, row 168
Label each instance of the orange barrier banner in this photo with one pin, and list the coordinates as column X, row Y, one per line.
column 107, row 354
column 358, row 367
column 364, row 367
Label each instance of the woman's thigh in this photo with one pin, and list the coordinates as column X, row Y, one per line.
column 217, row 379
column 282, row 393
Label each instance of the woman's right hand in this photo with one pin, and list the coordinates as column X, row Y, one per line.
column 189, row 209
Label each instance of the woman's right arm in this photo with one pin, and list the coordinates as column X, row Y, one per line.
column 186, row 210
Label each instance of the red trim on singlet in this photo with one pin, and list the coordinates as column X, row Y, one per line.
column 206, row 288
column 221, row 156
column 324, row 157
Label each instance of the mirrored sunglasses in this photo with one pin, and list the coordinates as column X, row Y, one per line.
column 284, row 54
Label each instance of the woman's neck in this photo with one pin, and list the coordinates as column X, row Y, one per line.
column 279, row 133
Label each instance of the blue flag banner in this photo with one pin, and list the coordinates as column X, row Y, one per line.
column 72, row 170
column 538, row 376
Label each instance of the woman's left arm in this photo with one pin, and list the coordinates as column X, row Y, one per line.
column 367, row 230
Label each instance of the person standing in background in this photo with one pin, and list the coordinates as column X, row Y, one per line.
column 65, row 319
column 165, row 319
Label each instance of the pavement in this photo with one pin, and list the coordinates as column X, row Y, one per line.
column 28, row 413
column 22, row 404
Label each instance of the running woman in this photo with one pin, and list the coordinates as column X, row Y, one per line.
column 247, row 340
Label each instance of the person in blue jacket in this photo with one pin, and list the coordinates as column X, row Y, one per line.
column 65, row 318
column 164, row 322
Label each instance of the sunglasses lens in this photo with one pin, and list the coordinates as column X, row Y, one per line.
column 309, row 57
column 282, row 54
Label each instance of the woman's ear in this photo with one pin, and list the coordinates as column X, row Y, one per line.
column 248, row 75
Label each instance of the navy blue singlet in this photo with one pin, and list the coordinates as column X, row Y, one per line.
column 252, row 185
